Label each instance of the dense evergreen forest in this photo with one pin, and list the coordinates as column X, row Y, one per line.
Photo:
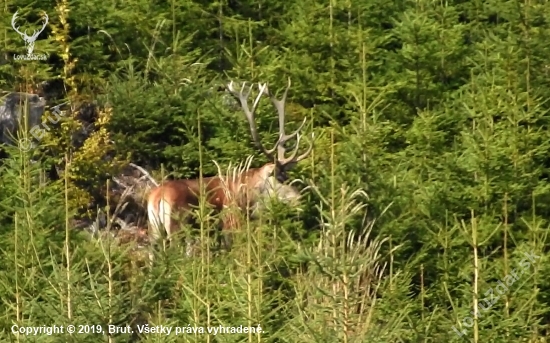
column 425, row 203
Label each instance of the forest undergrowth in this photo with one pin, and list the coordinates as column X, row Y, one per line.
column 425, row 202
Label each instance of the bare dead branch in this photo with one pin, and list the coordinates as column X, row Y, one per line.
column 145, row 173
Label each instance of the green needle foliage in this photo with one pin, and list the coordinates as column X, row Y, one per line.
column 425, row 204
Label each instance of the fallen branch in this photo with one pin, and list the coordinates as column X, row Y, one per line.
column 145, row 174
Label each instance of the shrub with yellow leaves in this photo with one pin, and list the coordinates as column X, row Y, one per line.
column 88, row 154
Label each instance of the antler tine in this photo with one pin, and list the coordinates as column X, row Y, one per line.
column 249, row 113
column 279, row 105
column 13, row 20
column 283, row 137
column 293, row 158
column 45, row 19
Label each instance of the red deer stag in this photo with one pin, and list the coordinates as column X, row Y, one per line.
column 245, row 188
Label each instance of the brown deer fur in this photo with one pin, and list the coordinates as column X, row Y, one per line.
column 175, row 197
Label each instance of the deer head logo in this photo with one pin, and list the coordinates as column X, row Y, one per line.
column 29, row 40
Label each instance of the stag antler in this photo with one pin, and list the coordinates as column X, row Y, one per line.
column 45, row 20
column 283, row 138
column 243, row 99
column 282, row 161
column 16, row 28
column 35, row 34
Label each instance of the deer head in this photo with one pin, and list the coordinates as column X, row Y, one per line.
column 29, row 40
column 282, row 163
